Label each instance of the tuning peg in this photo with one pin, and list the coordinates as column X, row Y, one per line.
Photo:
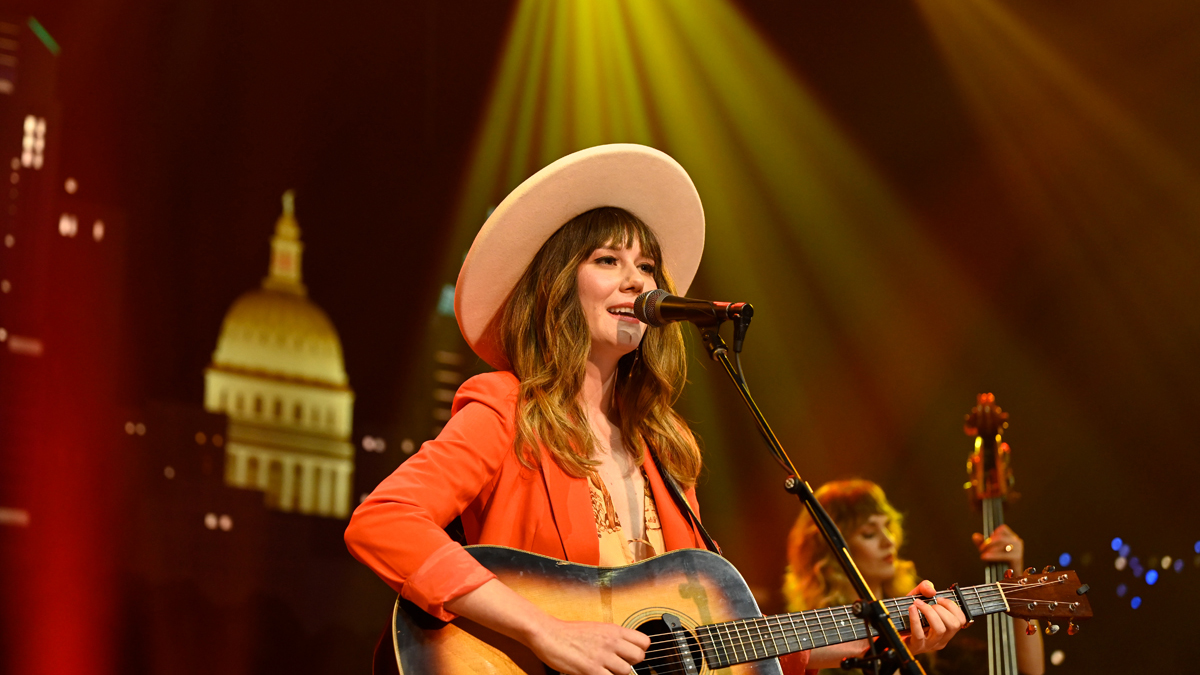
column 1008, row 573
column 1082, row 589
column 1048, row 569
column 1072, row 628
column 1051, row 629
column 1031, row 628
column 1029, row 570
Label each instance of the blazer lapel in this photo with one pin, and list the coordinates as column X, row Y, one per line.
column 571, row 504
column 676, row 528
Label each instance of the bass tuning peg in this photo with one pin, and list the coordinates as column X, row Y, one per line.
column 1072, row 628
column 1008, row 573
column 1048, row 569
column 1030, row 570
column 1032, row 627
column 1051, row 629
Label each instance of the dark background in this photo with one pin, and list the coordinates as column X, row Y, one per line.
column 190, row 118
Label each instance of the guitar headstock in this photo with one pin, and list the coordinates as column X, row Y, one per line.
column 1047, row 595
column 988, row 470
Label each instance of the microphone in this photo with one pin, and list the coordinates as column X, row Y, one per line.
column 659, row 308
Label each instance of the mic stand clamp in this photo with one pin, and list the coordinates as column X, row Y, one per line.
column 896, row 653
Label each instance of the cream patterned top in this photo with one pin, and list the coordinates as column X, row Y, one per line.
column 616, row 548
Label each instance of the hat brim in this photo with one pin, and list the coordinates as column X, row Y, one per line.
column 646, row 182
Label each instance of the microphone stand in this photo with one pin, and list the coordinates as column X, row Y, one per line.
column 896, row 653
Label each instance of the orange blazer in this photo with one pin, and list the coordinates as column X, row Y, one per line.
column 471, row 470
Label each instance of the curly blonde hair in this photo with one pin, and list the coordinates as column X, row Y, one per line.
column 545, row 335
column 814, row 578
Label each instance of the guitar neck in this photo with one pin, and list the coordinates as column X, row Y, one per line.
column 744, row 640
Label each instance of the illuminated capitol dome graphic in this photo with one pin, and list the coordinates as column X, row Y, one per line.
column 278, row 375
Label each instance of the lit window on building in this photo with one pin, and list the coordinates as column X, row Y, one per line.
column 447, row 376
column 33, row 142
column 24, row 345
column 14, row 517
column 68, row 224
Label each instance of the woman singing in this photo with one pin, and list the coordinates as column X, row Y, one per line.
column 568, row 448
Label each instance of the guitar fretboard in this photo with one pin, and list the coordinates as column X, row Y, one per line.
column 732, row 642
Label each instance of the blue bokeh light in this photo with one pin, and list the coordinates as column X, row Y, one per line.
column 1136, row 601
column 1179, row 565
column 1151, row 577
column 1064, row 560
column 1116, row 544
column 1121, row 588
column 1196, row 548
column 1124, row 551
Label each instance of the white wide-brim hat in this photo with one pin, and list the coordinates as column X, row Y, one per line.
column 644, row 181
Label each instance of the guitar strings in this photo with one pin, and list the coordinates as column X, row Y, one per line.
column 752, row 630
column 857, row 625
column 758, row 631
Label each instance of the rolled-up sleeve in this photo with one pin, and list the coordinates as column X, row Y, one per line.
column 398, row 530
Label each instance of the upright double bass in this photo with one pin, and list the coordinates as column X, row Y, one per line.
column 989, row 485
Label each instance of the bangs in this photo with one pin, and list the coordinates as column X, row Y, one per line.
column 851, row 503
column 611, row 227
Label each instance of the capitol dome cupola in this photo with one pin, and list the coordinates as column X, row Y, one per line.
column 276, row 330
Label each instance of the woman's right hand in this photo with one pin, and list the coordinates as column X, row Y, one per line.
column 587, row 648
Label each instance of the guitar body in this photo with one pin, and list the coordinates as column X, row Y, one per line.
column 696, row 586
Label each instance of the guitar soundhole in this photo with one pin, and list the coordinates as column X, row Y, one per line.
column 664, row 657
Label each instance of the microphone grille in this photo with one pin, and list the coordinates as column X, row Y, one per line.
column 645, row 307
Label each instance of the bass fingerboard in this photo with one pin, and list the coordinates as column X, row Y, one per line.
column 1002, row 648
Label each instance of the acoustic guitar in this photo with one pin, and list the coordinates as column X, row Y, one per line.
column 694, row 605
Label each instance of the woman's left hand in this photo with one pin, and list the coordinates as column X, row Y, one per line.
column 1004, row 546
column 945, row 619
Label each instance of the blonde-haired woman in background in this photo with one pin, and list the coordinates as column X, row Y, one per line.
column 874, row 531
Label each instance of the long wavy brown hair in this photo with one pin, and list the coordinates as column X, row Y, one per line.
column 814, row 578
column 545, row 335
